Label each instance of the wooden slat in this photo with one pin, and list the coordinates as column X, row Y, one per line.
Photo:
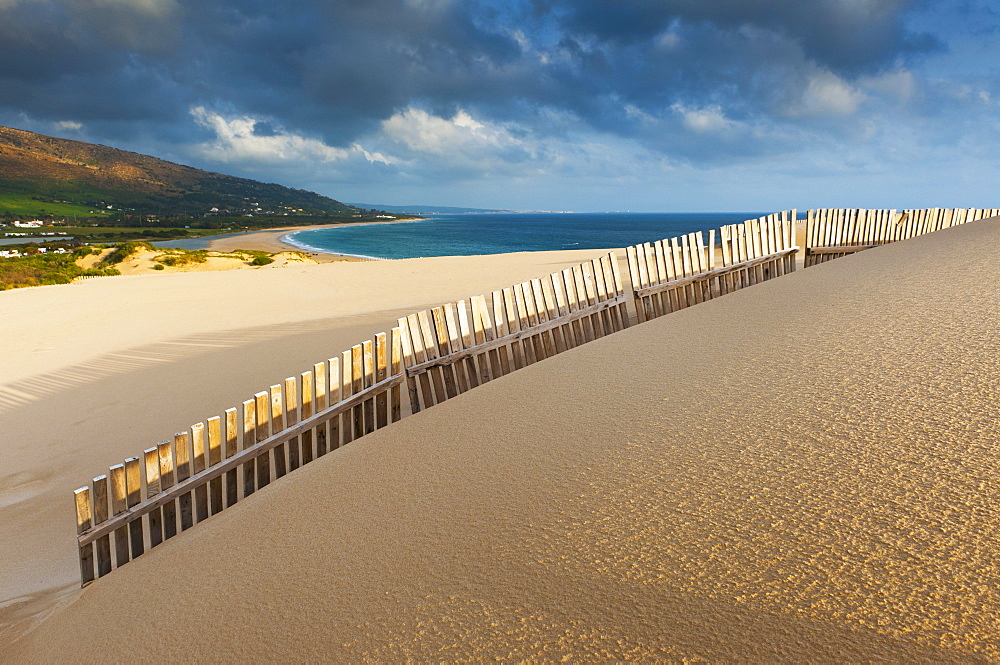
column 414, row 334
column 335, row 384
column 631, row 256
column 520, row 315
column 381, row 374
column 308, row 398
column 396, row 369
column 133, row 496
column 472, row 364
column 571, row 329
column 155, row 522
column 409, row 359
column 232, row 449
column 581, row 302
column 357, row 385
column 182, row 458
column 84, row 522
column 249, row 439
column 508, row 360
column 215, row 457
column 322, row 437
column 552, row 314
column 165, row 454
column 368, row 368
column 197, row 466
column 278, row 424
column 619, row 289
column 102, row 547
column 536, row 305
column 718, row 271
column 430, row 365
column 119, row 504
column 346, row 390
column 242, row 457
column 429, row 343
column 454, row 344
column 511, row 322
column 292, row 417
column 263, row 431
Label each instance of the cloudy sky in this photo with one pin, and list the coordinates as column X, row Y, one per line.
column 585, row 105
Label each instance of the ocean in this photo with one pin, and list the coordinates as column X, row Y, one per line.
column 498, row 233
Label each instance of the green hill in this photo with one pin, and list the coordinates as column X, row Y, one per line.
column 42, row 174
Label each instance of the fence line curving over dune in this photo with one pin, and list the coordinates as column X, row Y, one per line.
column 440, row 353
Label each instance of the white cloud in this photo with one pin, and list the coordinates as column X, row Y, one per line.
column 158, row 8
column 899, row 84
column 826, row 94
column 69, row 125
column 422, row 132
column 668, row 41
column 236, row 141
column 707, row 120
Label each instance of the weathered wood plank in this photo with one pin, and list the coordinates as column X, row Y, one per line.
column 396, row 369
column 357, row 385
column 198, row 464
column 278, row 424
column 292, row 417
column 84, row 522
column 102, row 546
column 182, row 457
column 429, row 344
column 232, row 449
column 155, row 522
column 307, row 398
column 133, row 489
column 718, row 271
column 119, row 504
column 381, row 374
column 242, row 457
column 454, row 344
column 507, row 339
column 409, row 359
column 368, row 363
column 215, row 457
column 321, row 435
column 473, row 363
column 164, row 451
column 263, row 431
column 249, row 439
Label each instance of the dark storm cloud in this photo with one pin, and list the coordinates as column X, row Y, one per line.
column 337, row 69
column 848, row 35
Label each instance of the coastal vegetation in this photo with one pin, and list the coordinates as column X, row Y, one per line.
column 40, row 269
column 55, row 263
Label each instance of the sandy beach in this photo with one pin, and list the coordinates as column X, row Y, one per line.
column 803, row 470
column 272, row 241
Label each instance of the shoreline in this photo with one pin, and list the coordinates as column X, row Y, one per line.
column 273, row 240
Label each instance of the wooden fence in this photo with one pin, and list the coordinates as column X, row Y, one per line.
column 438, row 354
column 216, row 463
column 447, row 350
column 669, row 275
column 458, row 346
column 833, row 233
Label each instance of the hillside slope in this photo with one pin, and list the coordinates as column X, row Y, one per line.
column 73, row 171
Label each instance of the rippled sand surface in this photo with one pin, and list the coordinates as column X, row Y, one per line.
column 808, row 469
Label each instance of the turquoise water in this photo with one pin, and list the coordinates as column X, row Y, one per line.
column 460, row 235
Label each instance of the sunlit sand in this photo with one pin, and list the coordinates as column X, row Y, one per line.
column 804, row 470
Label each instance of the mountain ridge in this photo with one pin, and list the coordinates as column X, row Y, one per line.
column 66, row 170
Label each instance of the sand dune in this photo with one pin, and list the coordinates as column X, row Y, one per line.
column 94, row 372
column 806, row 469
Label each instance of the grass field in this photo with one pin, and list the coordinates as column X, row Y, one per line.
column 24, row 206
